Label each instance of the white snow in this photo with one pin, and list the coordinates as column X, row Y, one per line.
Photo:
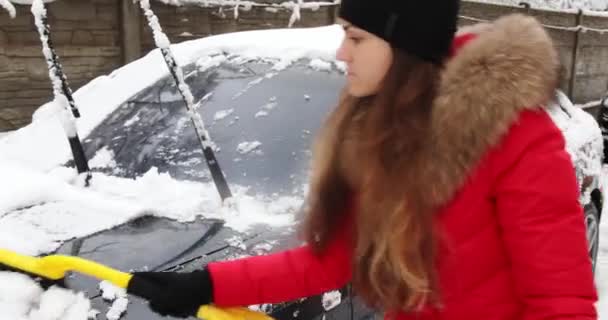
column 222, row 114
column 237, row 242
column 211, row 61
column 246, row 147
column 331, row 299
column 58, row 303
column 39, row 11
column 21, row 298
column 119, row 298
column 320, row 65
column 263, row 248
column 266, row 108
column 132, row 121
column 9, row 7
column 53, row 210
column 104, row 158
column 118, row 308
column 261, row 113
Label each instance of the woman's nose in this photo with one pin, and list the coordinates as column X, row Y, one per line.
column 343, row 54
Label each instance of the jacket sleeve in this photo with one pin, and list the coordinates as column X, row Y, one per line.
column 543, row 224
column 283, row 276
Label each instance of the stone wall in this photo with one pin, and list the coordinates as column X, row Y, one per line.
column 85, row 35
column 93, row 37
column 587, row 55
column 187, row 23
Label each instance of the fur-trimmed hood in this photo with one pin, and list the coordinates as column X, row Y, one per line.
column 510, row 65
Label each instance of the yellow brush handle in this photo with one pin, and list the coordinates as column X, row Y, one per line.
column 215, row 313
column 54, row 267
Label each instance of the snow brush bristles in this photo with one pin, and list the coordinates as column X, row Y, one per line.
column 55, row 268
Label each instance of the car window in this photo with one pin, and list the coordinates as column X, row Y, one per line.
column 262, row 122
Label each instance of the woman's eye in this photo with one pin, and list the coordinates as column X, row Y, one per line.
column 355, row 39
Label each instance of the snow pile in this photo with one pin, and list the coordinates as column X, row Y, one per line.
column 595, row 5
column 320, row 65
column 222, row 114
column 205, row 63
column 246, row 147
column 109, row 292
column 317, row 44
column 104, row 158
column 331, row 299
column 583, row 137
column 40, row 211
column 21, row 298
column 4, row 134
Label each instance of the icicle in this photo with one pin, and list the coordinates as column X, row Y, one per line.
column 8, row 6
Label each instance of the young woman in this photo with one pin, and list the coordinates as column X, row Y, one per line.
column 441, row 188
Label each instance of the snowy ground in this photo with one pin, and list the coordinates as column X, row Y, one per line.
column 4, row 134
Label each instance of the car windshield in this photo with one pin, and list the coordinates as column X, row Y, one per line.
column 262, row 122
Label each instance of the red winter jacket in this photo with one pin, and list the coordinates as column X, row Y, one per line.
column 515, row 234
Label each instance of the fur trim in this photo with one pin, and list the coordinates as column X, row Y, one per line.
column 510, row 66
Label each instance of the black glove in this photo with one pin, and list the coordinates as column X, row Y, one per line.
column 173, row 293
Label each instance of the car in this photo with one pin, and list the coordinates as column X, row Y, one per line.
column 263, row 95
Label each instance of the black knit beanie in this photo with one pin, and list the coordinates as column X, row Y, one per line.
column 423, row 28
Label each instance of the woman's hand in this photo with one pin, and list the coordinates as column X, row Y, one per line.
column 173, row 294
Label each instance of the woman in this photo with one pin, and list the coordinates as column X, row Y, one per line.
column 440, row 187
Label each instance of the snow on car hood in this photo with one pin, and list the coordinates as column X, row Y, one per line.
column 31, row 158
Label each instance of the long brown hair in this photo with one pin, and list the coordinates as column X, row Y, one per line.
column 363, row 153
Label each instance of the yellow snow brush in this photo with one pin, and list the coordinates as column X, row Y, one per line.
column 54, row 267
